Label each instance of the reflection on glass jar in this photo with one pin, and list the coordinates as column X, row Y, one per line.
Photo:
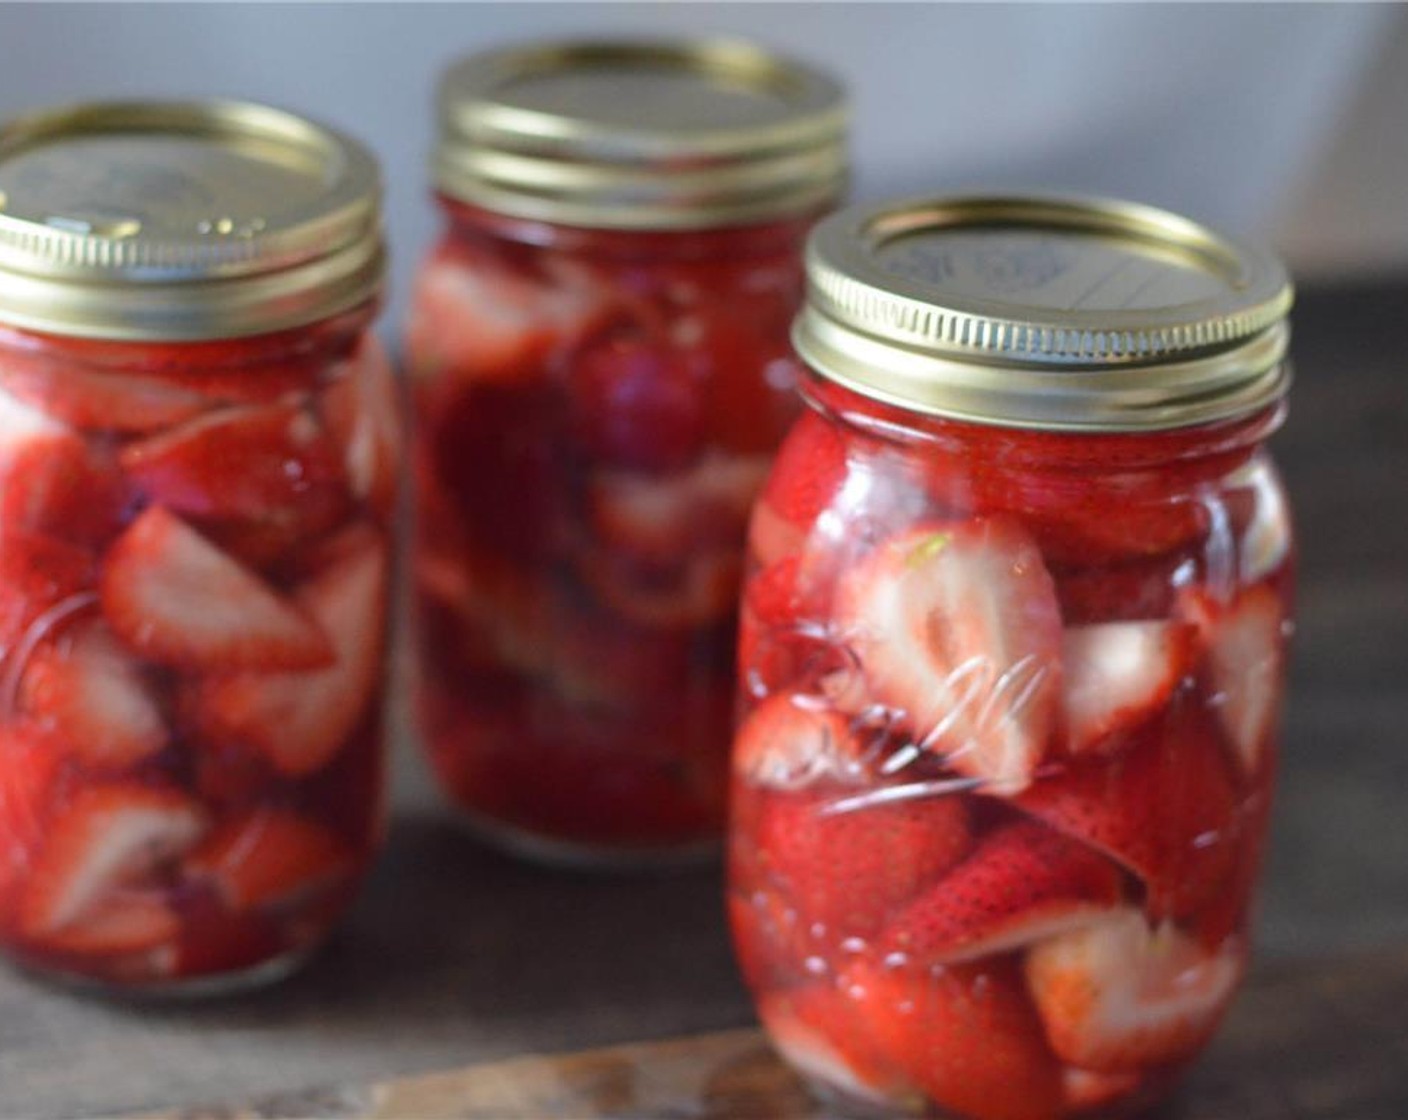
column 1012, row 650
column 601, row 374
column 199, row 487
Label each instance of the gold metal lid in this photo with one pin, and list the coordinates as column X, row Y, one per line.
column 1045, row 312
column 641, row 135
column 183, row 220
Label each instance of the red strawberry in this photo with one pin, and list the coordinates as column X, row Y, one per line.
column 177, row 599
column 635, row 404
column 818, row 1032
column 786, row 641
column 810, row 468
column 1245, row 641
column 29, row 767
column 789, row 742
column 1165, row 808
column 790, row 593
column 300, row 720
column 90, row 397
column 122, row 923
column 1117, row 996
column 772, row 539
column 51, row 481
column 849, row 862
column 42, row 582
column 956, row 627
column 269, row 858
column 475, row 318
column 86, row 689
column 1023, row 883
column 1117, row 675
column 668, row 518
column 268, row 470
column 966, row 1034
column 109, row 840
column 363, row 413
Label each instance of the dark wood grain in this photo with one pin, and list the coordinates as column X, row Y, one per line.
column 459, row 956
column 1315, row 1041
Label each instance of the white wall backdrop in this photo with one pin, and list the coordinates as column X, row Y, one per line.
column 1256, row 117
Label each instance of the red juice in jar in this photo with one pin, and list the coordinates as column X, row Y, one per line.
column 198, row 457
column 601, row 374
column 1011, row 658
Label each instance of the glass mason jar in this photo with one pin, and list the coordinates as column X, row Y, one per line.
column 198, row 448
column 1011, row 657
column 601, row 373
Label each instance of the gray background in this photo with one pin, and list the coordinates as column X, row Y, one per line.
column 1285, row 122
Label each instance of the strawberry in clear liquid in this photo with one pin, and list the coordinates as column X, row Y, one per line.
column 940, row 611
column 597, row 411
column 220, row 543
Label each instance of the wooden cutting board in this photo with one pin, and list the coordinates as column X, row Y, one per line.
column 1321, row 1040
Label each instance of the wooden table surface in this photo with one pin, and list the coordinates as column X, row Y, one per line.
column 457, row 955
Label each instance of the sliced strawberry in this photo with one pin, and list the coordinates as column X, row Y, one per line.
column 122, row 923
column 1245, row 641
column 789, row 742
column 300, row 720
column 956, row 627
column 1165, row 808
column 1086, row 1089
column 110, row 838
column 1117, row 996
column 635, row 404
column 272, row 470
column 787, row 595
column 818, row 1032
column 667, row 518
column 772, row 539
column 1023, row 883
column 29, row 768
column 269, row 858
column 849, row 862
column 42, row 581
column 86, row 689
column 1117, row 675
column 786, row 639
column 89, row 397
column 810, row 468
column 177, row 599
column 362, row 411
column 51, row 481
column 474, row 318
column 966, row 1034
